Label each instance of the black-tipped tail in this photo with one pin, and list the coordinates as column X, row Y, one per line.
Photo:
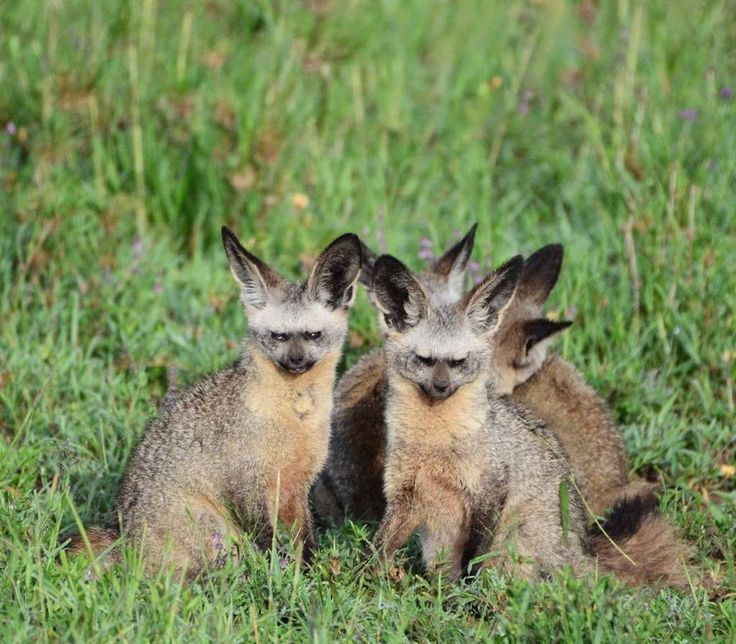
column 653, row 552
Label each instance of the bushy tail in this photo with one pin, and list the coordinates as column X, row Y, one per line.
column 638, row 528
column 100, row 541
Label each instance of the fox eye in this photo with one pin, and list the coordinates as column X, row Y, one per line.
column 457, row 362
column 279, row 337
column 313, row 335
column 425, row 360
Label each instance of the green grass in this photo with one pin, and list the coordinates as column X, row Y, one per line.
column 131, row 131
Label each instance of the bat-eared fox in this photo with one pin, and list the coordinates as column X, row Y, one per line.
column 238, row 451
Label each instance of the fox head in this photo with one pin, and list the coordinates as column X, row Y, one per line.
column 440, row 346
column 524, row 335
column 296, row 325
column 443, row 280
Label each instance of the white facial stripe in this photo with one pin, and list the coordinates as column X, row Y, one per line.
column 290, row 318
column 442, row 345
column 443, row 297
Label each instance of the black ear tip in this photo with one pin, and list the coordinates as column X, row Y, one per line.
column 514, row 266
column 349, row 239
column 549, row 254
column 540, row 328
column 347, row 247
column 229, row 239
column 555, row 252
column 387, row 265
column 384, row 262
column 465, row 245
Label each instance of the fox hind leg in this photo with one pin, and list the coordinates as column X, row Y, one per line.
column 197, row 535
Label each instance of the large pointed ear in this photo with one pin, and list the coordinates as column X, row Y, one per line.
column 366, row 269
column 485, row 304
column 542, row 331
column 332, row 281
column 452, row 264
column 396, row 293
column 541, row 270
column 254, row 276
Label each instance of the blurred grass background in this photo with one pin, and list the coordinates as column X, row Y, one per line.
column 131, row 131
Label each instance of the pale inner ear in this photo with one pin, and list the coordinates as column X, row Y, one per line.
column 531, row 359
column 253, row 289
column 486, row 306
column 456, row 282
column 252, row 297
column 349, row 295
column 537, row 351
column 484, row 315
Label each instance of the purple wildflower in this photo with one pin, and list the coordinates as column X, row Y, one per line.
column 688, row 115
column 570, row 312
column 425, row 242
column 425, row 254
column 283, row 563
column 10, row 128
column 473, row 266
column 217, row 540
column 526, row 99
column 158, row 288
column 137, row 247
column 726, row 92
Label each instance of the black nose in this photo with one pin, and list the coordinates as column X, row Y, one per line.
column 441, row 387
column 295, row 359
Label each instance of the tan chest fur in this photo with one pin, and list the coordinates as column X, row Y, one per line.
column 430, row 442
column 294, row 414
column 430, row 423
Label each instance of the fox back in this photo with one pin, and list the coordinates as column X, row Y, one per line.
column 553, row 390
